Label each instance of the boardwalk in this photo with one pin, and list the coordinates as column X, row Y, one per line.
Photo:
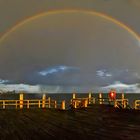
column 96, row 122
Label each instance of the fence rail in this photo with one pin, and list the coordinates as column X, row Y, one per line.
column 137, row 104
column 74, row 103
column 28, row 103
column 121, row 103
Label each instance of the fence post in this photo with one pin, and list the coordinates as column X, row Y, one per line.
column 75, row 104
column 135, row 104
column 100, row 98
column 28, row 104
column 39, row 104
column 115, row 103
column 124, row 103
column 3, row 104
column 73, row 96
column 86, row 102
column 21, row 96
column 49, row 102
column 55, row 104
column 93, row 100
column 16, row 104
column 43, row 101
column 89, row 98
column 63, row 105
column 123, row 100
column 122, row 95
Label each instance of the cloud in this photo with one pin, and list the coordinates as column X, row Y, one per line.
column 42, row 88
column 103, row 73
column 118, row 86
column 122, row 87
column 56, row 69
column 3, row 81
column 51, row 89
column 20, row 88
column 70, row 53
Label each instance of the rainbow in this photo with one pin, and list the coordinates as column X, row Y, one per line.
column 18, row 25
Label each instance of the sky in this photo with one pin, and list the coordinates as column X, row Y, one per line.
column 73, row 45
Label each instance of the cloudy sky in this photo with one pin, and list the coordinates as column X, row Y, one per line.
column 70, row 45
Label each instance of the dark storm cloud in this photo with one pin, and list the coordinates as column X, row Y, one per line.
column 78, row 40
column 57, row 75
column 102, row 51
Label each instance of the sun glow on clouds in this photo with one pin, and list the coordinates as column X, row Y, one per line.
column 122, row 87
column 56, row 69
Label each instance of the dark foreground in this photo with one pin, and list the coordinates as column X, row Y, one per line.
column 97, row 122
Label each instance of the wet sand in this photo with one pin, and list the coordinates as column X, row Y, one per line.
column 97, row 122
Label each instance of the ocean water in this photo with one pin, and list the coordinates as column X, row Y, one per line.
column 67, row 96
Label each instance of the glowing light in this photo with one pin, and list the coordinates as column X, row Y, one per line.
column 112, row 94
column 69, row 11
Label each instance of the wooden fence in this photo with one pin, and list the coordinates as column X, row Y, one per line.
column 74, row 103
column 137, row 104
column 21, row 103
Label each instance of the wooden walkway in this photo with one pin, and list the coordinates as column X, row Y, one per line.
column 99, row 122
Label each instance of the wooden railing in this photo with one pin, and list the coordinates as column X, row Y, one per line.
column 121, row 103
column 28, row 103
column 137, row 104
column 82, row 102
column 75, row 102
